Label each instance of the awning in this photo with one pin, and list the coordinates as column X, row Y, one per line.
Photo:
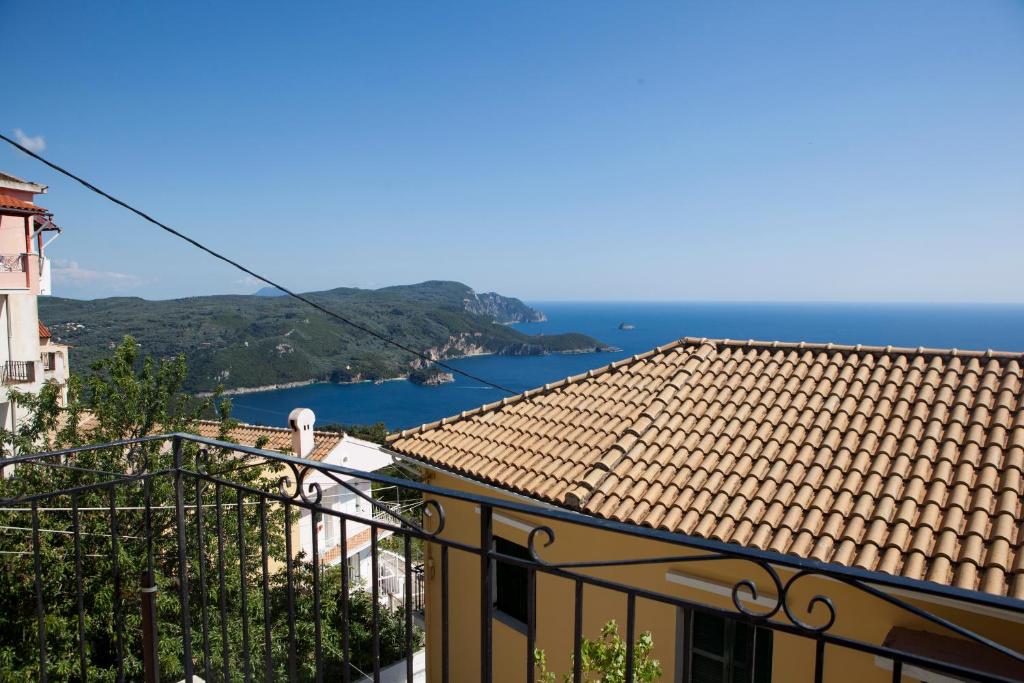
column 45, row 224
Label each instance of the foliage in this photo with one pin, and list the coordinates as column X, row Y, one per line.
column 390, row 626
column 604, row 659
column 249, row 341
column 376, row 432
column 127, row 396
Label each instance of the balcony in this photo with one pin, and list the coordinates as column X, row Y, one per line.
column 177, row 555
column 12, row 263
column 19, row 372
column 20, row 272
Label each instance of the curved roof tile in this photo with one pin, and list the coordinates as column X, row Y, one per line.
column 903, row 461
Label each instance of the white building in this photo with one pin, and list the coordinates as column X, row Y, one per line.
column 28, row 355
column 300, row 438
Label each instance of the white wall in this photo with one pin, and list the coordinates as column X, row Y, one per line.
column 19, row 341
column 336, row 497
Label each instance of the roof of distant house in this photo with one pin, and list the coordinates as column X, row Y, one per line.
column 277, row 438
column 896, row 460
column 44, row 331
column 8, row 202
column 15, row 183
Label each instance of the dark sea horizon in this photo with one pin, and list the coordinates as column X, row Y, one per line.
column 401, row 404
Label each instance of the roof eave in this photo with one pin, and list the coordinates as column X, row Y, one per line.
column 14, row 183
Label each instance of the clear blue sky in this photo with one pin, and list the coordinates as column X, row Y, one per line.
column 549, row 150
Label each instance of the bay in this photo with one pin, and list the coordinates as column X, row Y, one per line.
column 401, row 404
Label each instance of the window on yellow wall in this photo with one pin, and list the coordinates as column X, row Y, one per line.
column 727, row 651
column 511, row 582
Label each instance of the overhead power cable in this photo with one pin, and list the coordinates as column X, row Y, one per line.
column 247, row 271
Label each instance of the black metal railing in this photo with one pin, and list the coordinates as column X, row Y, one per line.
column 186, row 562
column 418, row 589
column 18, row 371
column 12, row 263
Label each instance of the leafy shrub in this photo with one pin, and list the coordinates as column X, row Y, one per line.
column 604, row 659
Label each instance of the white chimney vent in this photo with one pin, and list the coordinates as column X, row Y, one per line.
column 300, row 421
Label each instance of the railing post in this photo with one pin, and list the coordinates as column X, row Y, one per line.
column 486, row 624
column 40, row 609
column 150, row 637
column 179, row 504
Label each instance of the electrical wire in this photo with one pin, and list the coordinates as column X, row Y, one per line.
column 247, row 271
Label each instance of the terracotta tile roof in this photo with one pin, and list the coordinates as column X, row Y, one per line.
column 903, row 461
column 44, row 331
column 8, row 202
column 278, row 438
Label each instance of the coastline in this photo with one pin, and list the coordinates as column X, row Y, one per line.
column 252, row 390
column 239, row 391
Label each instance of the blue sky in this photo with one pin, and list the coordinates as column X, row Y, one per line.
column 868, row 151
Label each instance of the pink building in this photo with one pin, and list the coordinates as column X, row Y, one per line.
column 28, row 355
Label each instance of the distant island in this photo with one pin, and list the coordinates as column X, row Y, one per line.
column 627, row 326
column 256, row 341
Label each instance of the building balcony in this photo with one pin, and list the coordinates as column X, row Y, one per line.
column 18, row 372
column 23, row 273
column 194, row 544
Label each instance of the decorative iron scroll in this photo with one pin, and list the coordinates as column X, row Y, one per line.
column 783, row 596
column 12, row 263
column 295, row 488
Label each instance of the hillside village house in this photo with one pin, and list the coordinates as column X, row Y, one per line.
column 333, row 448
column 899, row 466
column 28, row 357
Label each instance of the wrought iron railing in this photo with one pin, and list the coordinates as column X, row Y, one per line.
column 13, row 263
column 387, row 512
column 207, row 600
column 419, row 592
column 19, row 372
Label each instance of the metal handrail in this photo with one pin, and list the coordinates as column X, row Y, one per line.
column 561, row 515
column 781, row 616
column 19, row 371
column 13, row 263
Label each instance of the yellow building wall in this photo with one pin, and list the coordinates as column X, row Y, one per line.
column 859, row 615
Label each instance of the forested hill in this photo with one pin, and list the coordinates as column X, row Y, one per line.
column 253, row 341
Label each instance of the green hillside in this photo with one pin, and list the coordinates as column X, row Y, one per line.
column 249, row 340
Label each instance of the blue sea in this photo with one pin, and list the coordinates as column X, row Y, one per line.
column 401, row 404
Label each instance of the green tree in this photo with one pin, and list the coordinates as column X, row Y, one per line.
column 127, row 396
column 376, row 432
column 604, row 659
column 390, row 627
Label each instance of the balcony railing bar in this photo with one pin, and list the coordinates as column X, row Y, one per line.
column 12, row 263
column 317, row 627
column 19, row 371
column 84, row 488
column 768, row 563
column 375, row 572
column 554, row 570
column 649, row 595
column 409, row 602
column 563, row 515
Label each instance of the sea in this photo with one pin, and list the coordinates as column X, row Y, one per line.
column 400, row 404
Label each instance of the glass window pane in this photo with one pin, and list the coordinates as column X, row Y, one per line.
column 709, row 633
column 763, row 656
column 743, row 641
column 729, row 651
column 511, row 581
column 706, row 670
